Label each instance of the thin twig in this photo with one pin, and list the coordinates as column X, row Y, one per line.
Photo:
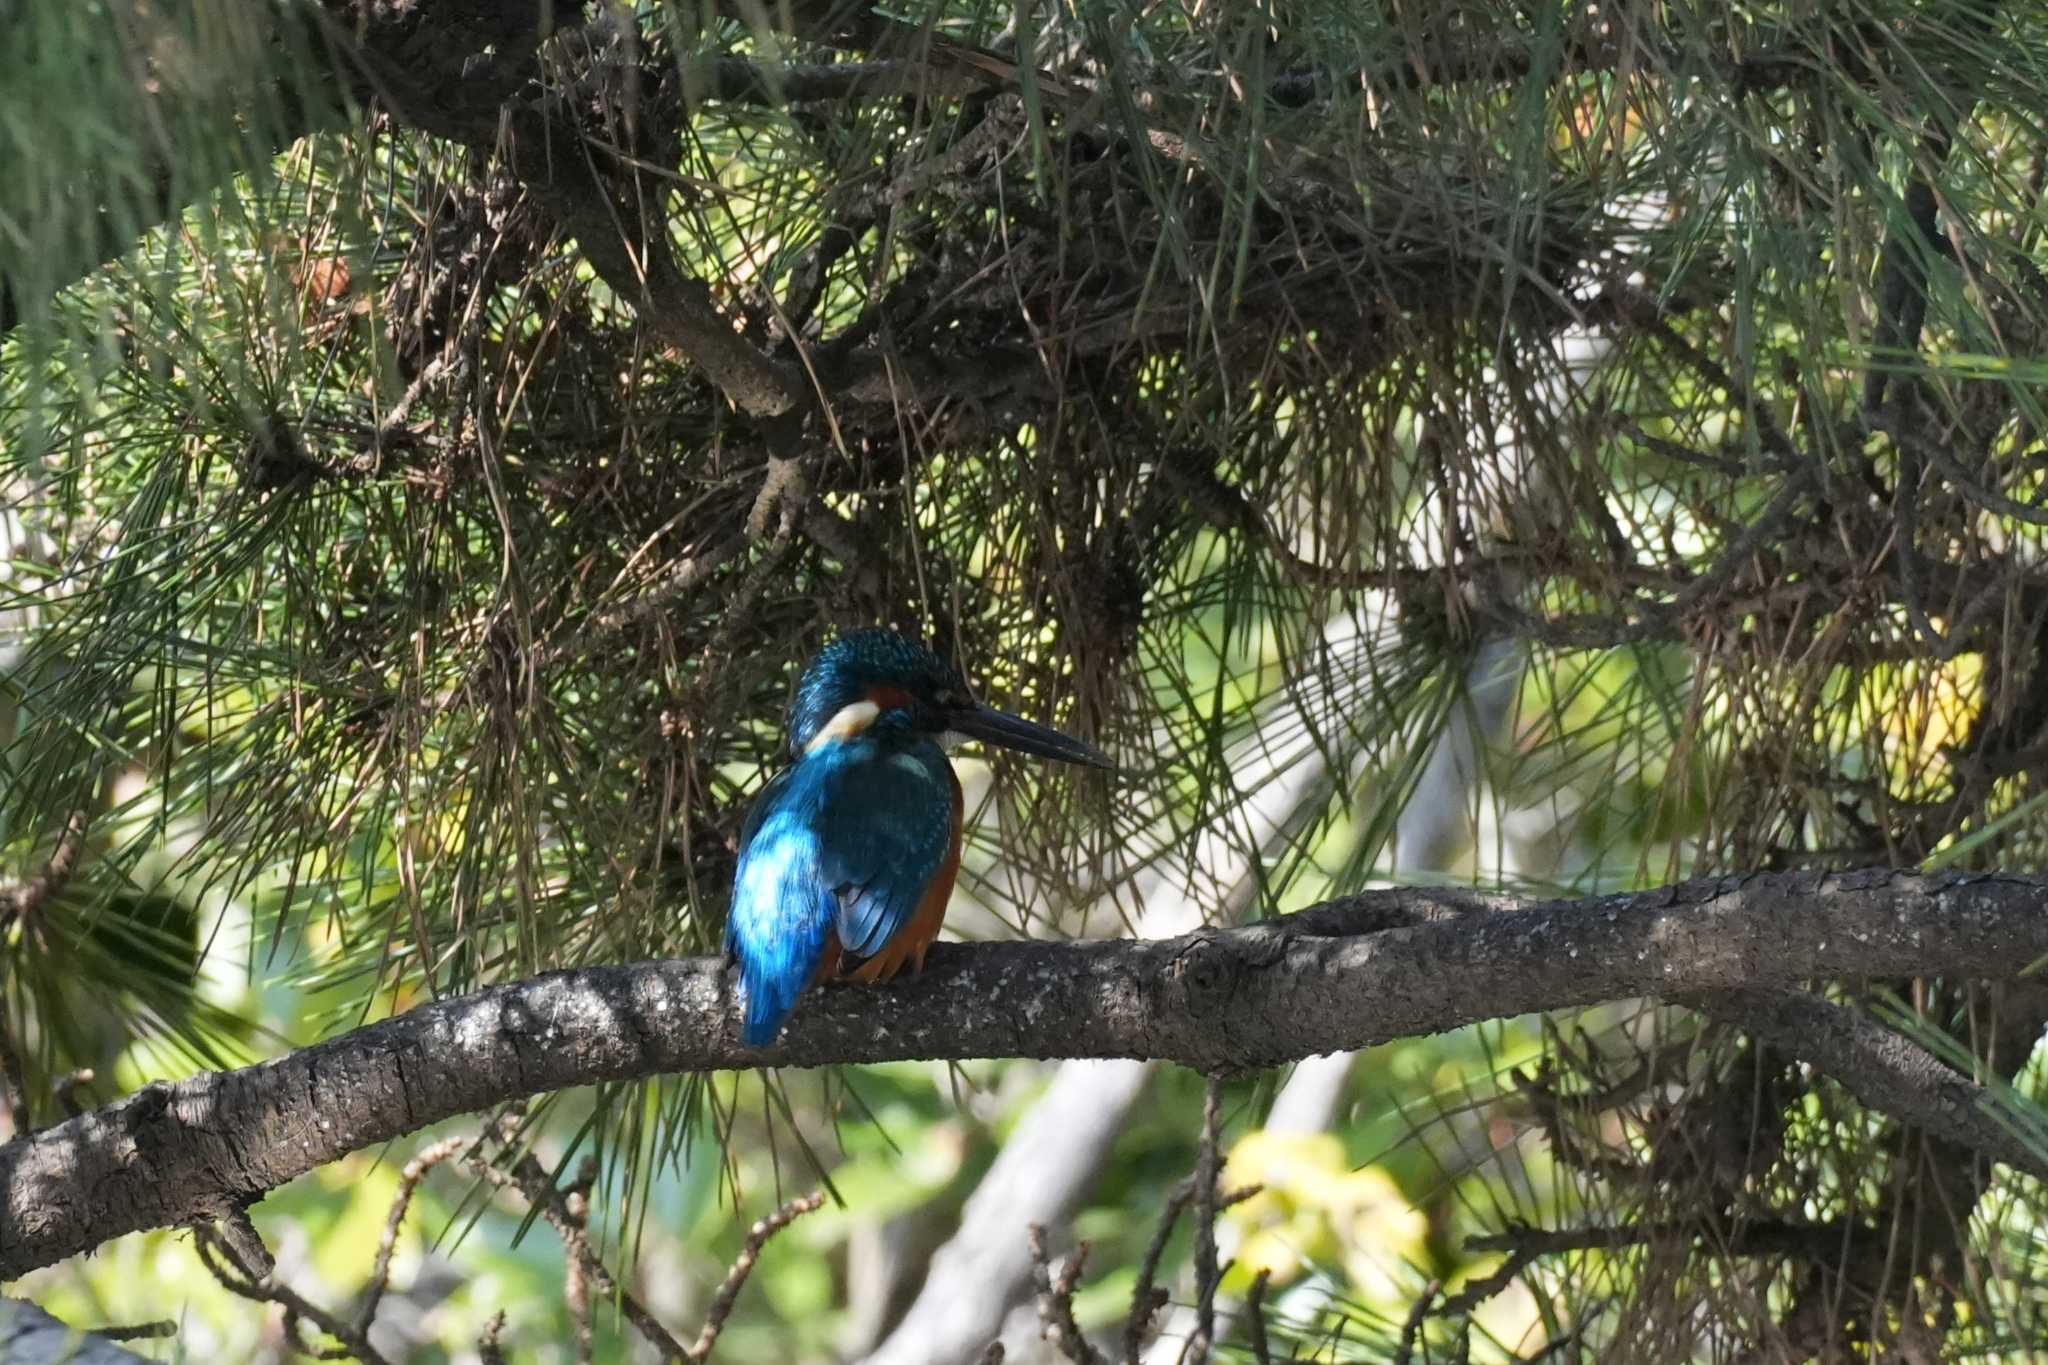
column 1485, row 1287
column 487, row 1348
column 141, row 1331
column 65, row 1092
column 683, row 577
column 528, row 1178
column 736, row 1278
column 1747, row 1239
column 1550, row 1109
column 576, row 1294
column 238, row 1277
column 1255, row 1318
column 576, row 1290
column 1560, row 1345
column 27, row 897
column 733, row 80
column 1147, row 1299
column 1056, row 1299
column 1208, row 1168
column 785, row 489
column 455, row 353
column 567, row 1210
column 409, row 1178
column 1411, row 1329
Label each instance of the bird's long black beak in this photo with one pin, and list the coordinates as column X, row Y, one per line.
column 1014, row 732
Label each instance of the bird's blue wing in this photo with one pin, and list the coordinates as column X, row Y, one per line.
column 782, row 909
column 884, row 834
column 849, row 838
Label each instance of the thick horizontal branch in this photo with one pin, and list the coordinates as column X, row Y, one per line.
column 1338, row 977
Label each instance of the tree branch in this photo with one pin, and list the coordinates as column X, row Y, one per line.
column 735, row 80
column 1293, row 987
column 1885, row 1070
column 1744, row 1239
column 620, row 228
column 1056, row 1300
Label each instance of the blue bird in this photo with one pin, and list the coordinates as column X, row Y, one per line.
column 850, row 852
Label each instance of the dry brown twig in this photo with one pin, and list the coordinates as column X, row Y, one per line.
column 1255, row 1318
column 567, row 1211
column 223, row 1254
column 736, row 1277
column 409, row 1179
column 239, row 1234
column 1201, row 1188
column 487, row 1348
column 1208, row 1173
column 26, row 897
column 576, row 1285
column 1411, row 1330
column 576, row 1294
column 528, row 1178
column 1147, row 1299
column 65, row 1091
column 1056, row 1299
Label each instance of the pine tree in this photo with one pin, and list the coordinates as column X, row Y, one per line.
column 433, row 435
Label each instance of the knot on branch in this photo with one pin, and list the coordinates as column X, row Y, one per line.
column 1205, row 971
column 514, row 1018
column 146, row 1106
column 1212, row 966
column 1212, row 977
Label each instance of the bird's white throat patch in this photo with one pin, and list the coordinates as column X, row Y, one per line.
column 846, row 723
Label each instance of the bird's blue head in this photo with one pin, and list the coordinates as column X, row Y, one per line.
column 866, row 677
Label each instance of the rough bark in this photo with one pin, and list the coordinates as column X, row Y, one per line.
column 1343, row 975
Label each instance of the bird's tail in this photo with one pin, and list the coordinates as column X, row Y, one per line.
column 775, row 967
column 770, row 998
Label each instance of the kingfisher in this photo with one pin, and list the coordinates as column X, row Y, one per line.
column 848, row 856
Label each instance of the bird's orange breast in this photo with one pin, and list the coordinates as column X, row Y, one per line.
column 916, row 936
